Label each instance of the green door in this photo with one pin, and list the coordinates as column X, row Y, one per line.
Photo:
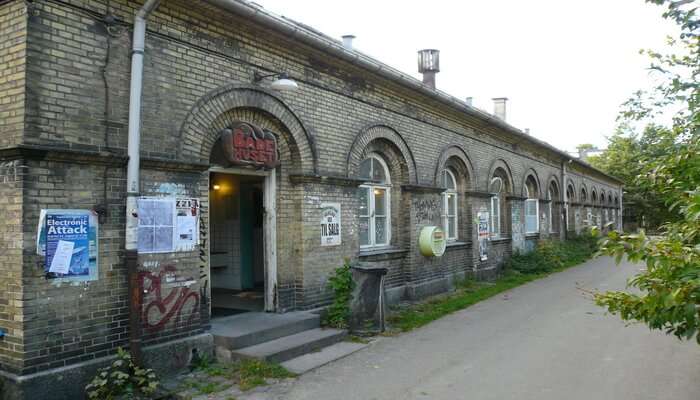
column 246, row 235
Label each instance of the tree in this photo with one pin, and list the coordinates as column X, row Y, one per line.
column 627, row 157
column 669, row 296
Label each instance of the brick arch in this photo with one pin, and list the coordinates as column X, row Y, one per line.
column 588, row 193
column 553, row 179
column 456, row 151
column 531, row 173
column 570, row 182
column 495, row 165
column 378, row 132
column 198, row 132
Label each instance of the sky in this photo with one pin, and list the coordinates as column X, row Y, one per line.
column 566, row 66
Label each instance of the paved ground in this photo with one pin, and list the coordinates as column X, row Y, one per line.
column 544, row 340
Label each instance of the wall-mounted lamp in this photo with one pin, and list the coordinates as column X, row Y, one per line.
column 282, row 83
column 216, row 187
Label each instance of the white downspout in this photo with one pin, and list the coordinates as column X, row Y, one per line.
column 132, row 169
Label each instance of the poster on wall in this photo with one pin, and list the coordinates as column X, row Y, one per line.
column 187, row 222
column 483, row 229
column 167, row 224
column 156, row 217
column 330, row 224
column 68, row 241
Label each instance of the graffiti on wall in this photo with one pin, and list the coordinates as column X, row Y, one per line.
column 167, row 298
column 203, row 277
column 427, row 210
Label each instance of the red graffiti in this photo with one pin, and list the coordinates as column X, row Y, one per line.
column 159, row 310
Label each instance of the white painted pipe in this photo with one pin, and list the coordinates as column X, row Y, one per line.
column 134, row 144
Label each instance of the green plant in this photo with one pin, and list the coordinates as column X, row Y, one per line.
column 338, row 313
column 554, row 255
column 668, row 295
column 253, row 373
column 122, row 379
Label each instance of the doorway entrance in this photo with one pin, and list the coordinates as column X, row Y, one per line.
column 237, row 243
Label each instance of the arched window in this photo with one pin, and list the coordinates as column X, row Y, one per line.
column 553, row 197
column 496, row 189
column 570, row 197
column 532, row 206
column 449, row 204
column 375, row 221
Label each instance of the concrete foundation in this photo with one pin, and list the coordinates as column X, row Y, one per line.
column 68, row 383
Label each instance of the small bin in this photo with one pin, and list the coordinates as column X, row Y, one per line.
column 368, row 308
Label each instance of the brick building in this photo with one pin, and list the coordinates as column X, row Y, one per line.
column 389, row 154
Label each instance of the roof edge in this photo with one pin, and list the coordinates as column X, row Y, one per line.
column 297, row 31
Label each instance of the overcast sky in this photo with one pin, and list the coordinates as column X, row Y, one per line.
column 566, row 66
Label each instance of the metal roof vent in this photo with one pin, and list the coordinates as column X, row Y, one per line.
column 499, row 107
column 347, row 41
column 429, row 65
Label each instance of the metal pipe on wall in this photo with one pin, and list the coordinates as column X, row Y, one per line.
column 132, row 177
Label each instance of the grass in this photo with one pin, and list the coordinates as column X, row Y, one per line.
column 248, row 374
column 548, row 258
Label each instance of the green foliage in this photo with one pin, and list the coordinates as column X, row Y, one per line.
column 338, row 313
column 553, row 255
column 122, row 380
column 669, row 287
column 628, row 157
column 246, row 373
column 253, row 373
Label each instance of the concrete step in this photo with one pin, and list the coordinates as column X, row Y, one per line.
column 249, row 329
column 288, row 347
column 310, row 361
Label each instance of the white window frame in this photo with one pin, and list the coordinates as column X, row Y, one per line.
column 537, row 212
column 371, row 206
column 495, row 220
column 551, row 202
column 448, row 195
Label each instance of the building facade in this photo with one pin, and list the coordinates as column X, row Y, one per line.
column 270, row 190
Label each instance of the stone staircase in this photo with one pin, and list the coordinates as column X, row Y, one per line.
column 293, row 339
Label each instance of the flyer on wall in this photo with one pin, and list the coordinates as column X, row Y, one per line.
column 68, row 240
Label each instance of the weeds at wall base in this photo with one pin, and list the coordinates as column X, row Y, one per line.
column 548, row 258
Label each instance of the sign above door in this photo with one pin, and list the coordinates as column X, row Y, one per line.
column 247, row 144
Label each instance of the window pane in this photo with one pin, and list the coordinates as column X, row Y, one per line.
column 364, row 231
column 364, row 201
column 495, row 216
column 378, row 173
column 531, row 223
column 451, row 204
column 496, row 185
column 447, row 180
column 452, row 227
column 365, row 169
column 380, row 230
column 379, row 202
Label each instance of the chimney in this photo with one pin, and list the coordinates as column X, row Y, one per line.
column 347, row 41
column 499, row 107
column 429, row 65
column 469, row 101
column 527, row 131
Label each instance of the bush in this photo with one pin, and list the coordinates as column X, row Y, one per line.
column 554, row 255
column 122, row 380
column 338, row 313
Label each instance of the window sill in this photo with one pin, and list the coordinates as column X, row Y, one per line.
column 455, row 245
column 500, row 239
column 382, row 253
column 532, row 235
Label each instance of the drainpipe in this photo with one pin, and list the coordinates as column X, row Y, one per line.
column 566, row 201
column 132, row 177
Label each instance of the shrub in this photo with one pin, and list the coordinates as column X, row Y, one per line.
column 554, row 255
column 122, row 380
column 338, row 313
